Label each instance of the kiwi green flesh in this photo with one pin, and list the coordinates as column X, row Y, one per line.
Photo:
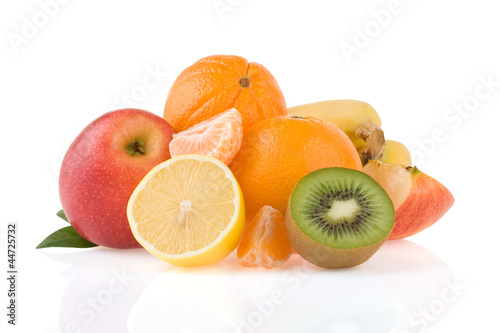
column 342, row 208
column 323, row 255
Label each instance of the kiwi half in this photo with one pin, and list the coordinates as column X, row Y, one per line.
column 338, row 217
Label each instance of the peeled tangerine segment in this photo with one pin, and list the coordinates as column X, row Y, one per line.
column 264, row 242
column 188, row 210
column 220, row 137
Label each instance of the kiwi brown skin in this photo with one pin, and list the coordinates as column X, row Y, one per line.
column 323, row 255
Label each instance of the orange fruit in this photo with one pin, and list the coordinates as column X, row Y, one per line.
column 219, row 137
column 265, row 242
column 220, row 82
column 277, row 152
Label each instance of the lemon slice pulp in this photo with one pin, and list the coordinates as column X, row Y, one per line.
column 188, row 211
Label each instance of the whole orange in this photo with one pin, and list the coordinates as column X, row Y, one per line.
column 217, row 83
column 277, row 152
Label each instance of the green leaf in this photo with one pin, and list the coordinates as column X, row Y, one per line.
column 62, row 215
column 65, row 237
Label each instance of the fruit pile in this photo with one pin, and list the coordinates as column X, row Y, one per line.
column 230, row 167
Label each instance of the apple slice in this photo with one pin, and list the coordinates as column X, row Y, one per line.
column 419, row 200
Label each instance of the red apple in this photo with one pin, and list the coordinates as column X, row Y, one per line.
column 103, row 166
column 419, row 200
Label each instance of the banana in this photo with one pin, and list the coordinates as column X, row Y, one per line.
column 396, row 153
column 357, row 119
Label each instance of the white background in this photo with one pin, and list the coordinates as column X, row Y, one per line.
column 428, row 58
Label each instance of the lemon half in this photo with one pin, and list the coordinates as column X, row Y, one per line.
column 188, row 211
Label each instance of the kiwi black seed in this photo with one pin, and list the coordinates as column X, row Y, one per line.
column 338, row 217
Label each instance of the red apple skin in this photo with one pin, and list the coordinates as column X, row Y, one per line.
column 99, row 173
column 426, row 203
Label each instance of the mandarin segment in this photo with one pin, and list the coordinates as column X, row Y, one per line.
column 264, row 242
column 219, row 137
